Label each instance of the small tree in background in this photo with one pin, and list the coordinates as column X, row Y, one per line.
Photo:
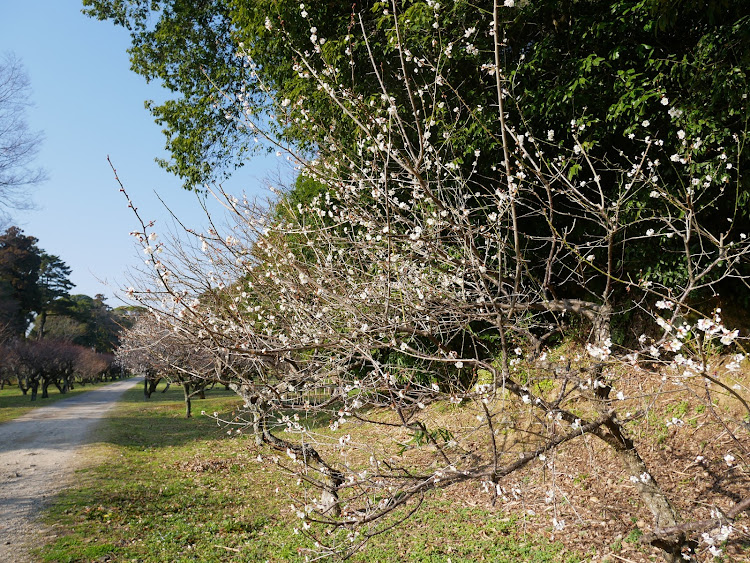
column 54, row 285
column 152, row 348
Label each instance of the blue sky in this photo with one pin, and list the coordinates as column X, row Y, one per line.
column 89, row 105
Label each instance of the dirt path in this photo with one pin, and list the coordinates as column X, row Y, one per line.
column 37, row 459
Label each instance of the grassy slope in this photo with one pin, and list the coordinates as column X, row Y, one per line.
column 13, row 403
column 163, row 488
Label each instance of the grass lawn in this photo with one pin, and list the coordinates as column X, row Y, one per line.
column 160, row 487
column 13, row 403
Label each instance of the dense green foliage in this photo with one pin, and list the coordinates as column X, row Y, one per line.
column 617, row 70
column 87, row 321
column 189, row 48
column 54, row 286
column 591, row 61
column 35, row 287
column 20, row 293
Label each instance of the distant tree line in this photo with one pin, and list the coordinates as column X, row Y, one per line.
column 36, row 365
column 48, row 336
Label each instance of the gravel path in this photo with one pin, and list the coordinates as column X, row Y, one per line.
column 38, row 455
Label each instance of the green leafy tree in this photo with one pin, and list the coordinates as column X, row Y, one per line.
column 90, row 322
column 20, row 262
column 618, row 71
column 8, row 310
column 601, row 61
column 189, row 47
column 54, row 285
column 192, row 49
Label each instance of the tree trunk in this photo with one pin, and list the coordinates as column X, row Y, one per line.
column 601, row 325
column 251, row 401
column 42, row 322
column 665, row 515
column 149, row 386
column 188, row 403
column 649, row 490
column 330, row 478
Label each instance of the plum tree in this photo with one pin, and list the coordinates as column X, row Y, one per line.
column 448, row 261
